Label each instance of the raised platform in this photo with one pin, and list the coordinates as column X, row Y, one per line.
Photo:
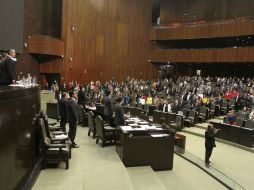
column 18, row 156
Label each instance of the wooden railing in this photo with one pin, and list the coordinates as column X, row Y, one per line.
column 225, row 28
column 241, row 54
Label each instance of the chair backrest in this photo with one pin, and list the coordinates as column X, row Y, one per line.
column 45, row 138
column 213, row 107
column 249, row 124
column 99, row 126
column 239, row 122
column 179, row 121
column 171, row 117
column 156, row 116
column 165, row 116
column 91, row 120
column 203, row 110
column 185, row 112
column 192, row 114
column 126, row 109
column 151, row 109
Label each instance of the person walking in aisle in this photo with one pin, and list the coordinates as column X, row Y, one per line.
column 209, row 142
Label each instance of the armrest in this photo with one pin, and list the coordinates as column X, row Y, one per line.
column 108, row 128
column 59, row 133
column 57, row 146
column 52, row 124
column 59, row 140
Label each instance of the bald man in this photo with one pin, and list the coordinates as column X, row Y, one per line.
column 9, row 69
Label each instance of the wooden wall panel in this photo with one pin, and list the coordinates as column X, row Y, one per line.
column 203, row 55
column 111, row 38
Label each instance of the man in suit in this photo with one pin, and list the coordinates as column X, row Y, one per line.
column 8, row 75
column 209, row 142
column 72, row 115
column 119, row 113
column 108, row 110
column 82, row 97
column 63, row 106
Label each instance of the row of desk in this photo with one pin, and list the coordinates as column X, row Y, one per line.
column 235, row 134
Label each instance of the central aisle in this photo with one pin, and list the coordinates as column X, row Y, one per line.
column 95, row 168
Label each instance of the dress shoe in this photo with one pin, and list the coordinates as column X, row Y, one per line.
column 74, row 146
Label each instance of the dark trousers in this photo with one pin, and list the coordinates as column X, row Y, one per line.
column 63, row 123
column 208, row 153
column 109, row 119
column 72, row 131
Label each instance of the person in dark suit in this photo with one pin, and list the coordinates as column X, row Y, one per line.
column 63, row 106
column 8, row 74
column 108, row 110
column 209, row 142
column 82, row 97
column 72, row 116
column 119, row 112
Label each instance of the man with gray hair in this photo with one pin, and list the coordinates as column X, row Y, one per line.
column 8, row 75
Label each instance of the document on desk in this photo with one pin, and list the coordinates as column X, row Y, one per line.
column 61, row 136
column 159, row 135
column 127, row 128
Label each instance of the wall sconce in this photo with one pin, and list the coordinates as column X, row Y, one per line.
column 70, row 58
column 25, row 44
column 73, row 28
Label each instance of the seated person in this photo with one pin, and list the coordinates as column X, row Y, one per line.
column 231, row 117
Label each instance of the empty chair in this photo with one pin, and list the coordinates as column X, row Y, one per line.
column 104, row 133
column 202, row 115
column 156, row 116
column 91, row 124
column 178, row 124
column 239, row 122
column 191, row 119
column 249, row 124
column 53, row 153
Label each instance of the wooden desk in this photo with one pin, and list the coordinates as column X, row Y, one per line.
column 138, row 147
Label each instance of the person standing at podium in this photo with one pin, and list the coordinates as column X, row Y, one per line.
column 8, row 73
column 209, row 142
